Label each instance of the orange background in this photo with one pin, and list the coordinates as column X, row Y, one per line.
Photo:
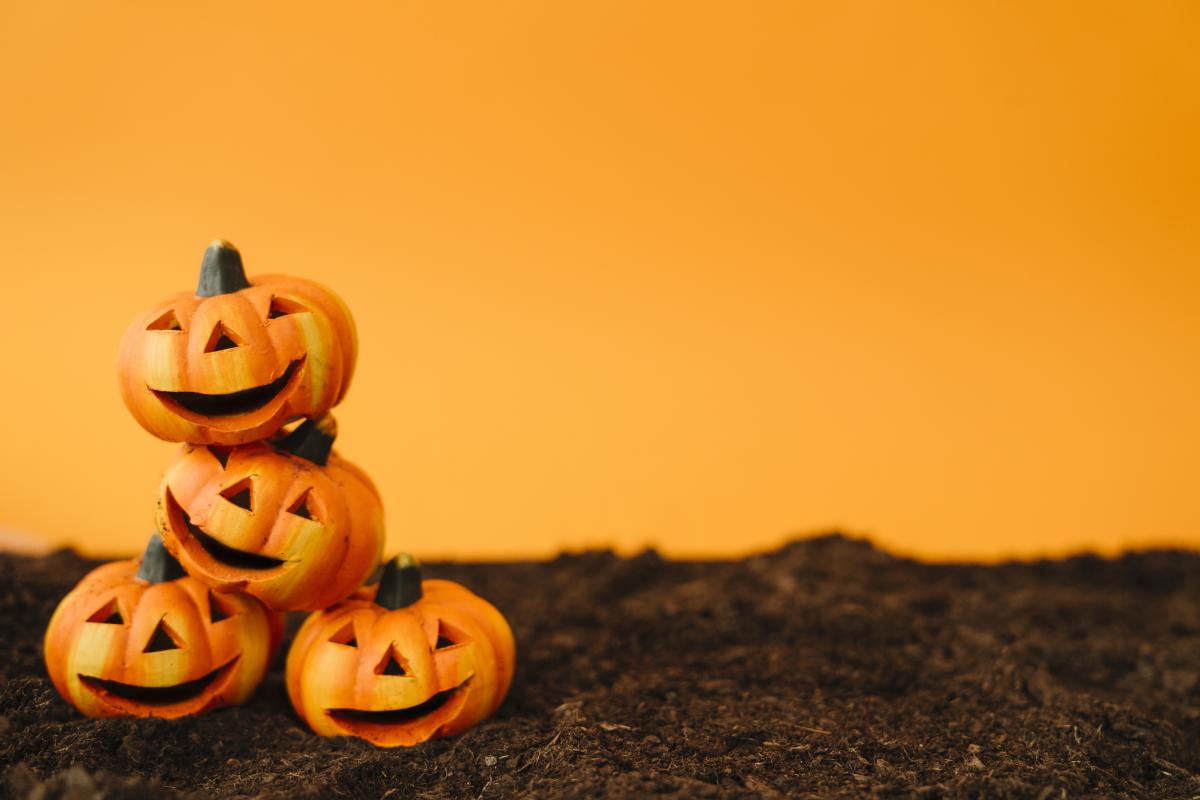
column 690, row 274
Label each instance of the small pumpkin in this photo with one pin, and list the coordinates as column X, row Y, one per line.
column 139, row 638
column 287, row 521
column 401, row 663
column 238, row 359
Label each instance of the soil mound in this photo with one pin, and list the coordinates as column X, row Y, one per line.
column 824, row 669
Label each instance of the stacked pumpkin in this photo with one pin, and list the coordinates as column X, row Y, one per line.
column 255, row 519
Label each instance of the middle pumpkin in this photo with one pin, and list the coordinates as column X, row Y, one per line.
column 286, row 520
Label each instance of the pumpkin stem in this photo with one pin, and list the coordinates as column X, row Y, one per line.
column 400, row 585
column 221, row 270
column 313, row 439
column 158, row 565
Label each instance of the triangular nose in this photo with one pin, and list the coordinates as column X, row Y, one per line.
column 241, row 494
column 161, row 639
column 221, row 338
column 391, row 664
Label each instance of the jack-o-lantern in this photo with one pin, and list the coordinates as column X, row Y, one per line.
column 403, row 663
column 142, row 639
column 238, row 359
column 285, row 520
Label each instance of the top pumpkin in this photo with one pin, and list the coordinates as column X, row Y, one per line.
column 238, row 359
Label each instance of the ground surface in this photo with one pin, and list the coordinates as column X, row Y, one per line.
column 825, row 669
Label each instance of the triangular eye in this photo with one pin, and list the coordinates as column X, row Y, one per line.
column 282, row 306
column 161, row 639
column 221, row 338
column 221, row 454
column 109, row 614
column 217, row 609
column 167, row 322
column 392, row 663
column 302, row 507
column 241, row 494
column 345, row 635
column 446, row 637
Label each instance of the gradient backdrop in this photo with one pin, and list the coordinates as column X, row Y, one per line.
column 699, row 275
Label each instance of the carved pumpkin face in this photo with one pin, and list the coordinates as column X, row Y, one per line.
column 286, row 521
column 141, row 639
column 402, row 664
column 236, row 360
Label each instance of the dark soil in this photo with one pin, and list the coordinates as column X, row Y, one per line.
column 826, row 669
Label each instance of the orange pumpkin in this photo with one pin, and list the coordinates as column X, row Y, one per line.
column 238, row 359
column 142, row 639
column 287, row 520
column 402, row 663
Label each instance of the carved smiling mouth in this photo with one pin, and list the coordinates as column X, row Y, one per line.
column 156, row 695
column 223, row 553
column 353, row 717
column 232, row 403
